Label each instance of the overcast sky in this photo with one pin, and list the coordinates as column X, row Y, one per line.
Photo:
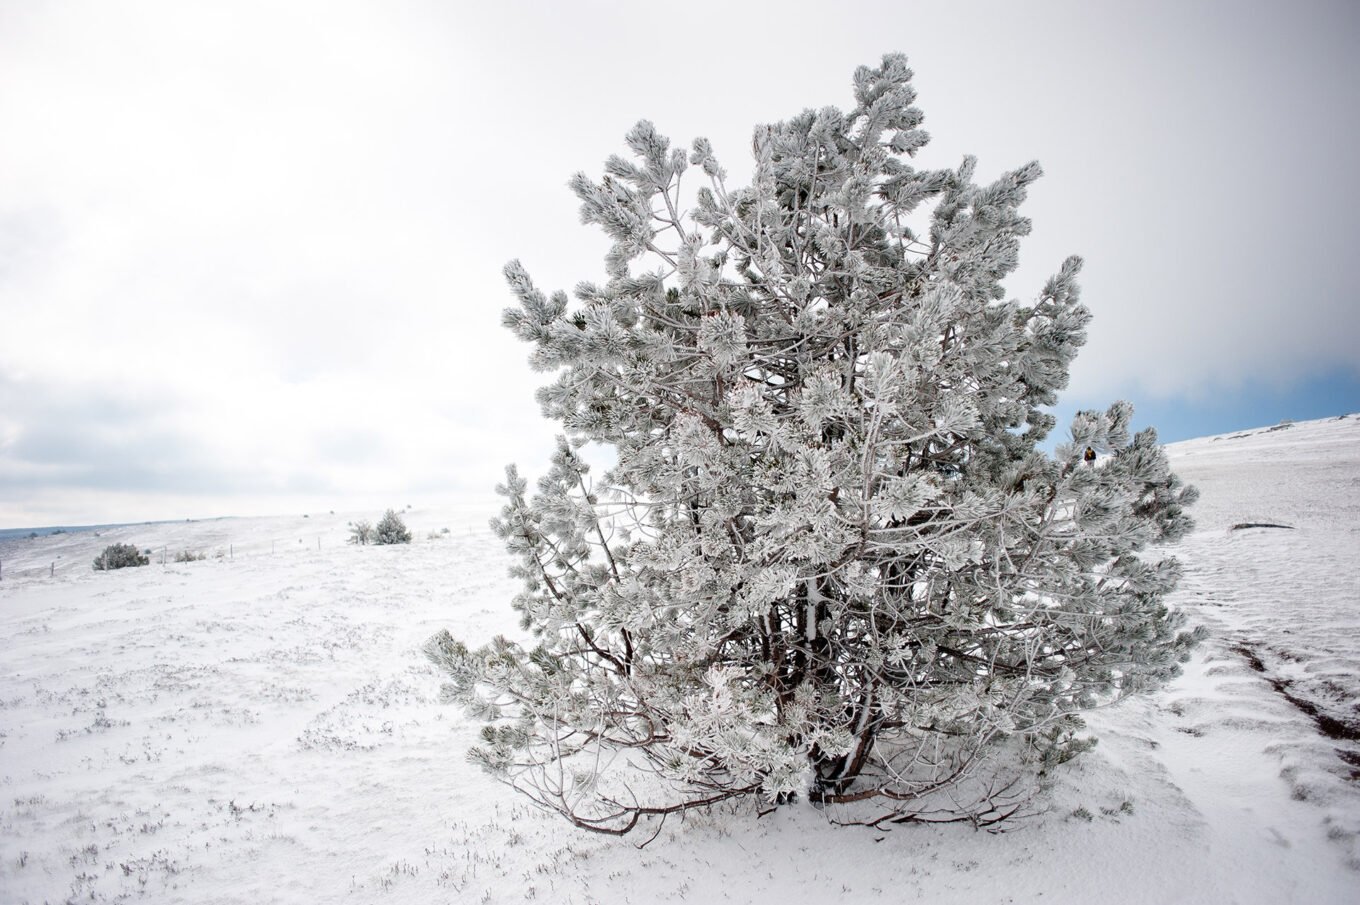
column 250, row 252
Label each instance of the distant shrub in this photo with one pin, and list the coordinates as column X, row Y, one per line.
column 190, row 556
column 361, row 533
column 391, row 530
column 119, row 556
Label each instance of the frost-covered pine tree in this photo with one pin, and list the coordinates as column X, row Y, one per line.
column 831, row 560
column 390, row 530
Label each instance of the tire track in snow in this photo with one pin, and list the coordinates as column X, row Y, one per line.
column 1280, row 675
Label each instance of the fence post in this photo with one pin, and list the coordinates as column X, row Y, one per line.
column 53, row 573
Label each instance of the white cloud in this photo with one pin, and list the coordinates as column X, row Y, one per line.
column 278, row 228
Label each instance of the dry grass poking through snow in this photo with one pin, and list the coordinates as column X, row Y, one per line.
column 263, row 729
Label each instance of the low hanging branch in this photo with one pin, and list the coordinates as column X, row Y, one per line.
column 832, row 561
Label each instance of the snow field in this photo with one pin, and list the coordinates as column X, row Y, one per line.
column 263, row 728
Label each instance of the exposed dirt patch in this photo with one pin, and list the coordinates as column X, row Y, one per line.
column 1328, row 725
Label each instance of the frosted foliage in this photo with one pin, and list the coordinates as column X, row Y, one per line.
column 390, row 530
column 831, row 560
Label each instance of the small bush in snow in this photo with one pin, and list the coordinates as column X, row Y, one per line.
column 361, row 533
column 189, row 556
column 119, row 556
column 391, row 530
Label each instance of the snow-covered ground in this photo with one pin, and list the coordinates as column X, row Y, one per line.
column 260, row 726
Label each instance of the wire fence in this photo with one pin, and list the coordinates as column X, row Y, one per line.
column 17, row 564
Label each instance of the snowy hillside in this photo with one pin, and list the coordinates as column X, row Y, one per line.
column 260, row 726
